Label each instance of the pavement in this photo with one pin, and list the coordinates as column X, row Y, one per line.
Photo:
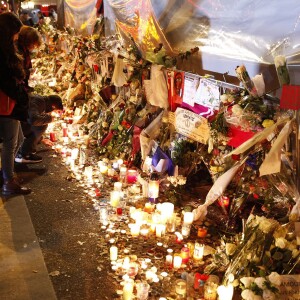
column 49, row 238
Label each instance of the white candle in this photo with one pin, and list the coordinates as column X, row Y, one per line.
column 118, row 186
column 135, row 229
column 103, row 169
column 123, row 171
column 177, row 260
column 167, row 210
column 198, row 251
column 74, row 153
column 128, row 290
column 113, row 251
column 144, row 231
column 169, row 259
column 188, row 218
column 115, row 198
column 225, row 292
column 160, row 230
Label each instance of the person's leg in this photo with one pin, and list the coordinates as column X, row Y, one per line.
column 10, row 131
column 27, row 146
column 38, row 134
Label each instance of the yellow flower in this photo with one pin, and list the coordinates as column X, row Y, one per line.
column 267, row 123
column 83, row 26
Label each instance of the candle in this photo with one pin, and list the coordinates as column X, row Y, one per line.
column 126, row 263
column 185, row 230
column 225, row 292
column 149, row 207
column 188, row 218
column 135, row 229
column 180, row 287
column 88, row 171
column 169, row 259
column 198, row 251
column 53, row 137
column 113, row 251
column 153, row 189
column 202, row 232
column 123, row 171
column 167, row 210
column 118, row 186
column 142, row 290
column 160, row 230
column 144, row 231
column 177, row 260
column 74, row 153
column 131, row 176
column 128, row 290
column 115, row 198
column 185, row 254
column 103, row 169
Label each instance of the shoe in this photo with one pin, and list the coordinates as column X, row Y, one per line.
column 28, row 159
column 12, row 187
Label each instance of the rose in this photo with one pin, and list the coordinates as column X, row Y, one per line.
column 260, row 282
column 281, row 242
column 237, row 110
column 267, row 123
column 275, row 278
column 247, row 281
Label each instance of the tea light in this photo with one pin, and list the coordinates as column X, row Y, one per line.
column 153, row 189
column 188, row 218
column 144, row 231
column 115, row 198
column 177, row 261
column 131, row 176
column 113, row 252
column 118, row 186
column 149, row 275
column 148, row 207
column 135, row 229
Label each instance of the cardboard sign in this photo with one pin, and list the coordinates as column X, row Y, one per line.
column 289, row 288
column 290, row 97
column 191, row 125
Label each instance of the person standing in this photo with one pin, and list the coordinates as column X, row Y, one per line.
column 11, row 84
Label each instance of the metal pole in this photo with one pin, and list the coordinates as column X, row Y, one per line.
column 297, row 152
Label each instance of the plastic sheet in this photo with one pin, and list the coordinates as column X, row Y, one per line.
column 245, row 30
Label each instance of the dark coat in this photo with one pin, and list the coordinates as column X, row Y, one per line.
column 15, row 90
column 39, row 110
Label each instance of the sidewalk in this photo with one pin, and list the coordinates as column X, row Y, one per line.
column 23, row 272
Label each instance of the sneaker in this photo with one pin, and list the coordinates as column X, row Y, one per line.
column 28, row 159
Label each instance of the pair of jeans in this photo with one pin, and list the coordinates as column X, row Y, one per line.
column 12, row 138
column 33, row 135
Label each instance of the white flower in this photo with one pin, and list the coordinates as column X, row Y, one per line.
column 224, row 98
column 266, row 225
column 237, row 110
column 268, row 295
column 247, row 281
column 260, row 281
column 275, row 278
column 280, row 232
column 247, row 294
column 281, row 243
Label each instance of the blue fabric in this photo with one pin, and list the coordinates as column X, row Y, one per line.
column 158, row 155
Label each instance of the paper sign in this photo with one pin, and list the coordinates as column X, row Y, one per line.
column 190, row 87
column 208, row 94
column 290, row 97
column 289, row 288
column 191, row 125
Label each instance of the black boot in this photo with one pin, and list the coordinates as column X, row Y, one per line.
column 12, row 187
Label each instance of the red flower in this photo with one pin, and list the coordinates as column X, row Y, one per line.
column 256, row 196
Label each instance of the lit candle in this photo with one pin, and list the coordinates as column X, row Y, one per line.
column 188, row 218
column 198, row 251
column 128, row 290
column 177, row 261
column 123, row 171
column 131, row 176
column 144, row 231
column 185, row 230
column 74, row 153
column 103, row 169
column 225, row 292
column 135, row 229
column 110, row 172
column 160, row 230
column 180, row 287
column 118, row 186
column 113, row 251
column 115, row 198
column 153, row 189
column 167, row 210
column 169, row 259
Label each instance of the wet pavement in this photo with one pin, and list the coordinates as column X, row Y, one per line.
column 67, row 228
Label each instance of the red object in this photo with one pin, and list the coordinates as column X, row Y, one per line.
column 53, row 137
column 108, row 138
column 96, row 68
column 238, row 136
column 185, row 254
column 224, row 201
column 119, row 211
column 290, row 97
column 65, row 132
column 175, row 94
column 131, row 176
